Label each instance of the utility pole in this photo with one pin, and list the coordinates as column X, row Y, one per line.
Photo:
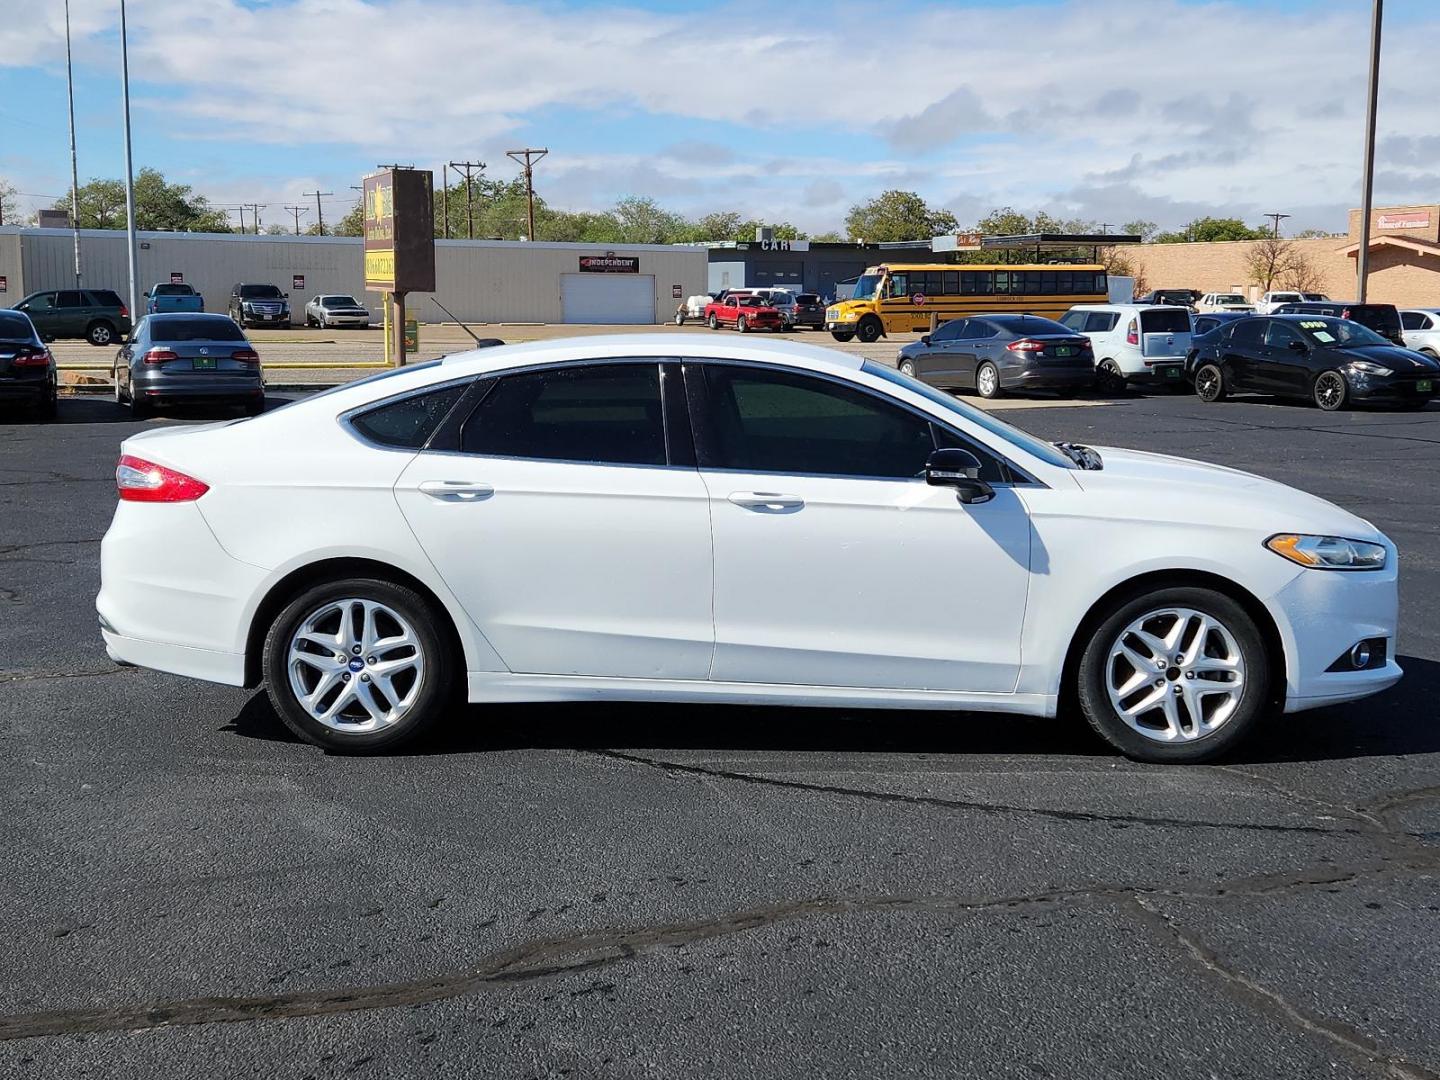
column 238, row 210
column 319, row 210
column 527, row 159
column 1104, row 228
column 255, row 209
column 74, row 163
column 1276, row 218
column 445, row 200
column 1362, row 260
column 465, row 167
column 297, row 211
column 131, row 243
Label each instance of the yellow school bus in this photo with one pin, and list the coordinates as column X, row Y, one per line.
column 901, row 298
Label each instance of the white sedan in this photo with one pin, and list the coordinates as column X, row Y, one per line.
column 594, row 518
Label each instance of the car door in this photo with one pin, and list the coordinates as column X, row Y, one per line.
column 572, row 532
column 1240, row 353
column 72, row 315
column 936, row 362
column 835, row 563
column 1286, row 360
column 43, row 313
column 974, row 344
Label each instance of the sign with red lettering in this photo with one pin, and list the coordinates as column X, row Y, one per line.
column 1412, row 219
column 4, row 283
column 609, row 264
column 918, row 299
column 177, row 278
column 297, row 282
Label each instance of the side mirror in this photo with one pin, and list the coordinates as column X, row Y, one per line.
column 960, row 469
column 146, row 294
column 1299, row 347
column 925, row 340
column 286, row 295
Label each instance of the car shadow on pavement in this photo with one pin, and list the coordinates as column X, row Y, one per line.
column 1400, row 722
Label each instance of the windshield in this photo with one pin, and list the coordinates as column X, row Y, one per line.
column 260, row 292
column 1341, row 333
column 865, row 287
column 1046, row 452
column 339, row 301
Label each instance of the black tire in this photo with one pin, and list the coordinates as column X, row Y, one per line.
column 1109, row 378
column 255, row 408
column 437, row 687
column 679, row 318
column 741, row 325
column 100, row 333
column 712, row 322
column 1210, row 383
column 907, row 367
column 870, row 330
column 49, row 406
column 1094, row 668
column 140, row 409
column 1330, row 391
column 987, row 381
column 842, row 335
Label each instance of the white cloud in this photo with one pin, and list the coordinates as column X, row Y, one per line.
column 1170, row 105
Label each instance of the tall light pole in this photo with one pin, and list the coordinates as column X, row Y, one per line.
column 1362, row 258
column 74, row 162
column 129, row 170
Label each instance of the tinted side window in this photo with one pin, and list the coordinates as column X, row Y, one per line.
column 106, row 298
column 70, row 298
column 1249, row 333
column 948, row 331
column 1101, row 322
column 774, row 421
column 1075, row 320
column 1280, row 335
column 41, row 302
column 977, row 328
column 1413, row 320
column 606, row 414
column 408, row 423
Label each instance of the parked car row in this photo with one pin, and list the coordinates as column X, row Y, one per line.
column 765, row 309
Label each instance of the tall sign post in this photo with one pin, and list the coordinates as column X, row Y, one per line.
column 399, row 245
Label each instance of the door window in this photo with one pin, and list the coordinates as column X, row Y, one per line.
column 408, row 423
column 1248, row 334
column 605, row 414
column 948, row 331
column 1075, row 320
column 70, row 298
column 40, row 302
column 1281, row 336
column 976, row 328
column 1101, row 322
column 1414, row 320
column 773, row 421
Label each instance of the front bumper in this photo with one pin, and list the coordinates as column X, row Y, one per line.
column 254, row 318
column 1391, row 387
column 345, row 320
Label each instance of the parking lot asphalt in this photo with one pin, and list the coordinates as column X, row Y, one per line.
column 658, row 891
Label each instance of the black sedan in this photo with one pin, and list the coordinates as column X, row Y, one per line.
column 27, row 367
column 188, row 358
column 995, row 353
column 1333, row 362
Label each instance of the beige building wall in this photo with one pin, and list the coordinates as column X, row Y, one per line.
column 1406, row 222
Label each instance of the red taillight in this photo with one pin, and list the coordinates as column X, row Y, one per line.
column 124, row 312
column 247, row 356
column 1345, row 313
column 1132, row 333
column 159, row 356
column 1026, row 345
column 138, row 480
column 32, row 359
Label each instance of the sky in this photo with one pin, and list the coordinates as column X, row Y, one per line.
column 1109, row 110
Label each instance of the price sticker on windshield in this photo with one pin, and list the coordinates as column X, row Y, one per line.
column 1313, row 324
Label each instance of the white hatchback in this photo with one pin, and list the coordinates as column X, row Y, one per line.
column 1134, row 343
column 664, row 517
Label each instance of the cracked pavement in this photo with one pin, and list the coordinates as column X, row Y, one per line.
column 655, row 891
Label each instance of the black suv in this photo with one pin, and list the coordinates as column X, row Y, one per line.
column 809, row 311
column 260, row 305
column 97, row 315
column 1382, row 318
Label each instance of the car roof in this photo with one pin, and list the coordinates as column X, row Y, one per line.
column 659, row 346
column 1424, row 310
column 1124, row 307
column 172, row 316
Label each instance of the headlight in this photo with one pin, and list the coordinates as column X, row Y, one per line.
column 1328, row 552
column 1370, row 367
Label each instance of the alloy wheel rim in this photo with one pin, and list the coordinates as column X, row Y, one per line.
column 907, row 368
column 356, row 666
column 1207, row 382
column 987, row 381
column 102, row 335
column 1175, row 675
column 1329, row 390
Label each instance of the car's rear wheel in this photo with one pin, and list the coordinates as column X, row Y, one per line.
column 358, row 665
column 1174, row 675
column 140, row 409
column 256, row 407
column 1109, row 377
column 869, row 330
column 987, row 381
column 48, row 406
column 1330, row 391
column 1210, row 383
column 100, row 333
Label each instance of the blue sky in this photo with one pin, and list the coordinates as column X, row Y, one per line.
column 1116, row 110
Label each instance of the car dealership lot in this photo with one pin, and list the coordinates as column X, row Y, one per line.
column 668, row 890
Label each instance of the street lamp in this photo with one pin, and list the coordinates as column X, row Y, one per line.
column 1362, row 260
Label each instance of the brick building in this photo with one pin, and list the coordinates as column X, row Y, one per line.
column 1404, row 260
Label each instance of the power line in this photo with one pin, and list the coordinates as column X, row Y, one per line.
column 527, row 159
column 465, row 167
column 297, row 211
column 1276, row 218
column 319, row 210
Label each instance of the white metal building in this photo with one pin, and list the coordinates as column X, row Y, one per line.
column 479, row 280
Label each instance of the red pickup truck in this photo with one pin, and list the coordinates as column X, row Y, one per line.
column 743, row 312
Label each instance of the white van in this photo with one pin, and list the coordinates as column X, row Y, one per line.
column 1134, row 343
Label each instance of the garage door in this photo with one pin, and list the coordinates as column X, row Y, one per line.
column 608, row 298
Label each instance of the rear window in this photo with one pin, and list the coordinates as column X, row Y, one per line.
column 407, row 424
column 1165, row 321
column 808, row 298
column 15, row 327
column 170, row 290
column 216, row 329
column 1028, row 324
column 106, row 298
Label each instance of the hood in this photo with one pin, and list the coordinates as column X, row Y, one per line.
column 1163, row 488
column 1393, row 357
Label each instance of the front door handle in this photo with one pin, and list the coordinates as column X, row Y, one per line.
column 767, row 501
column 456, row 490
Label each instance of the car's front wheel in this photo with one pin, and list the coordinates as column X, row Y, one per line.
column 358, row 665
column 1331, row 391
column 1174, row 675
column 907, row 367
column 712, row 322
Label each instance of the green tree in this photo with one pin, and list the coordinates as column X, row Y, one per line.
column 1312, row 234
column 576, row 227
column 159, row 205
column 897, row 215
column 9, row 208
column 643, row 221
column 829, row 237
column 1208, row 230
column 1146, row 230
column 352, row 224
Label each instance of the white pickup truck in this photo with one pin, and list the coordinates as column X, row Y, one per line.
column 1223, row 301
column 1267, row 304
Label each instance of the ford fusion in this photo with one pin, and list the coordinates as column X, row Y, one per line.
column 661, row 518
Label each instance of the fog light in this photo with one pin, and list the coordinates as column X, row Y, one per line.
column 1360, row 655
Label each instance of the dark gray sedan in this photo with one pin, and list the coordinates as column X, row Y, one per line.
column 995, row 353
column 189, row 358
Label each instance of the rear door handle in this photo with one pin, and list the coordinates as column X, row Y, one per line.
column 456, row 490
column 767, row 501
